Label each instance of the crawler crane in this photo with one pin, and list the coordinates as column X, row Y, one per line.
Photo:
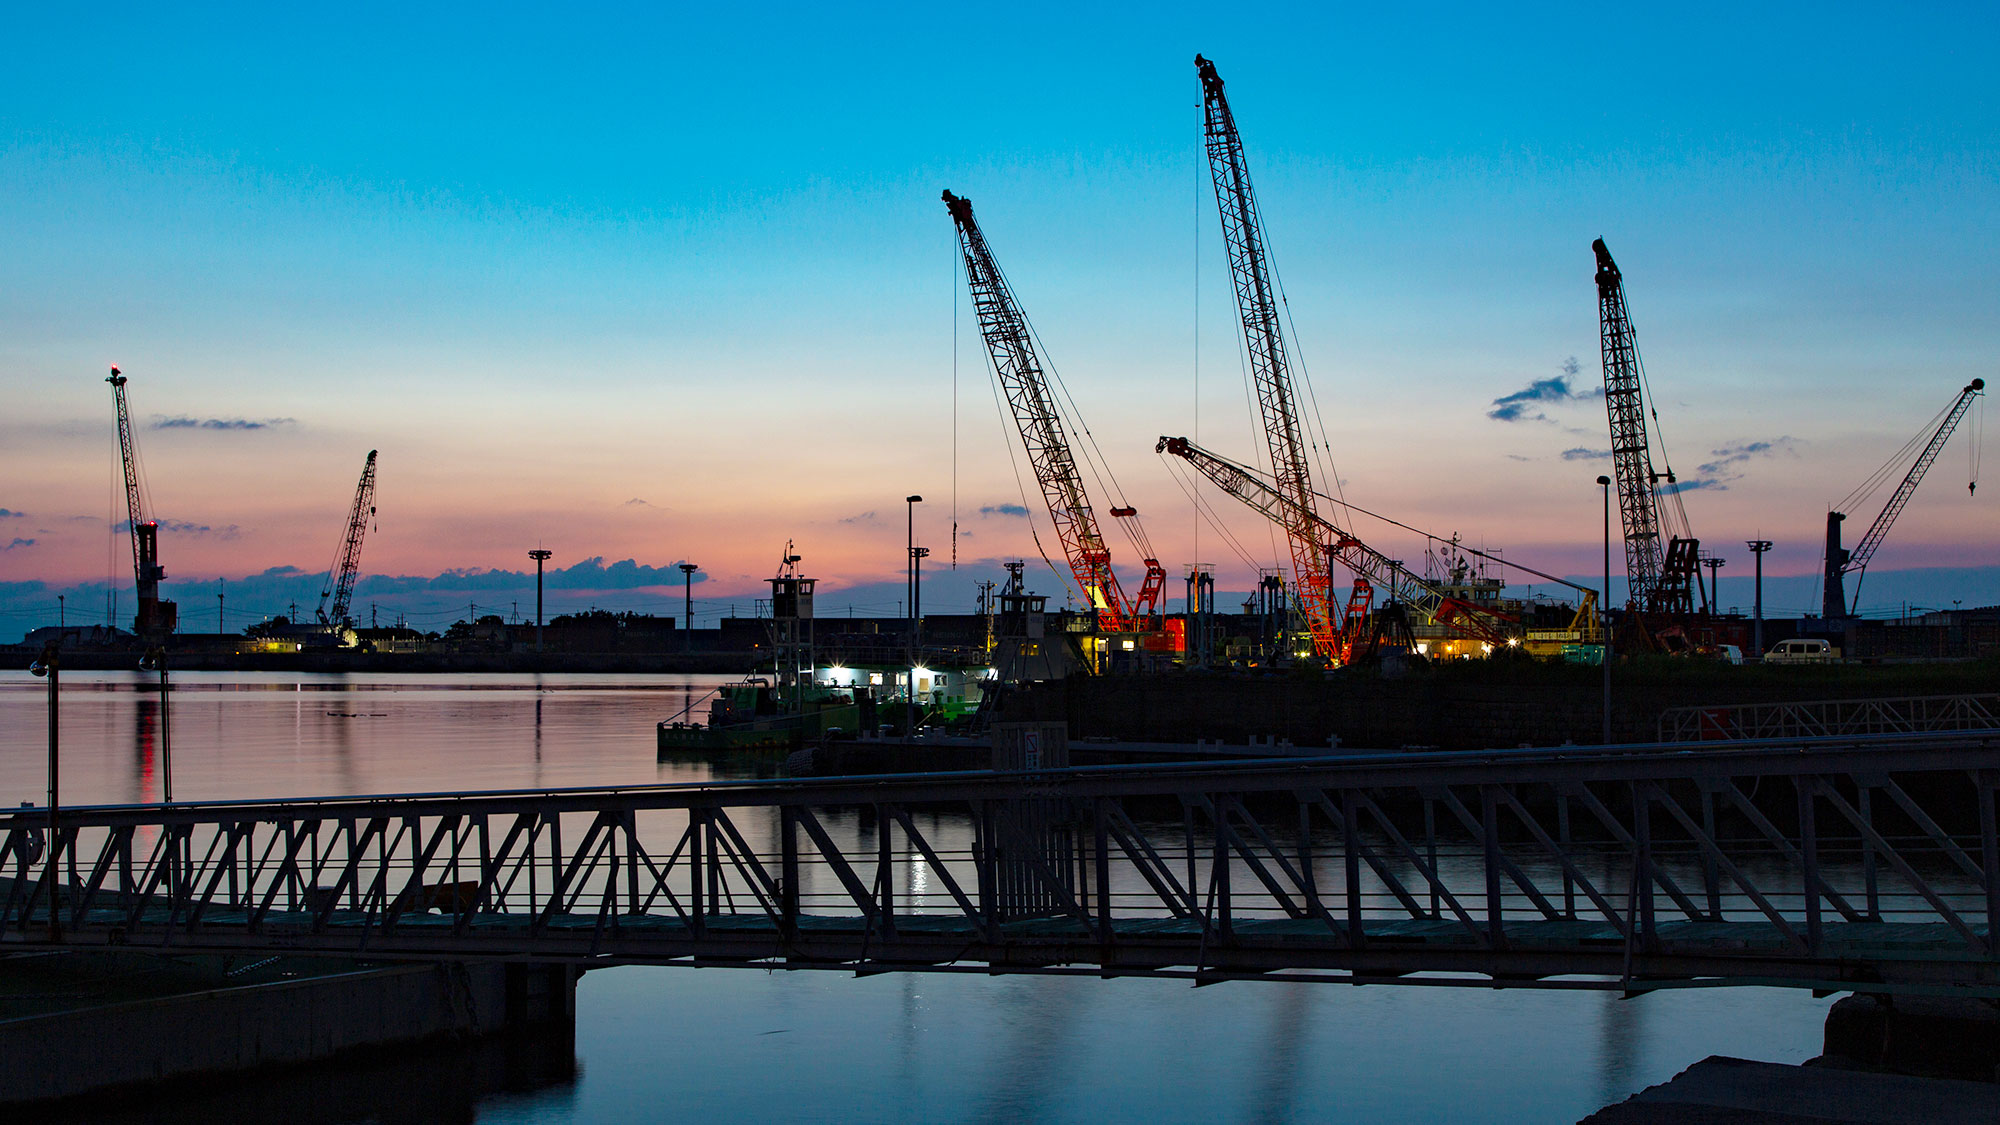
column 1019, row 369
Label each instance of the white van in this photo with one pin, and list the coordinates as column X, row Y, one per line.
column 1801, row 651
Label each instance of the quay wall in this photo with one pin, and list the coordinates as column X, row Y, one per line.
column 1471, row 706
column 221, row 1031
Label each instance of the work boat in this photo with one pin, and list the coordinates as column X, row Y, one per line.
column 753, row 715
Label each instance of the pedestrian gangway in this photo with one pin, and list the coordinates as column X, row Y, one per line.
column 1830, row 864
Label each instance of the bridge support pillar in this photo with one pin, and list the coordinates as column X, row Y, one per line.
column 1934, row 1037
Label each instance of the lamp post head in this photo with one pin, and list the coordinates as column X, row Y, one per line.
column 1604, row 480
column 689, row 568
column 913, row 499
column 540, row 555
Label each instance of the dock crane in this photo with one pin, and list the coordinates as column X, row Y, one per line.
column 1839, row 563
column 155, row 619
column 341, row 575
column 1370, row 566
column 1657, row 576
column 1296, row 510
column 1019, row 369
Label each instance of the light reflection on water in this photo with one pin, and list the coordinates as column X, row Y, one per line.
column 686, row 1044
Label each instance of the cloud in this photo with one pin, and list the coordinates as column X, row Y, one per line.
column 18, row 543
column 635, row 502
column 1518, row 457
column 1015, row 510
column 1582, row 454
column 864, row 517
column 11, row 514
column 185, row 527
column 1520, row 405
column 183, row 422
column 1699, row 484
column 1717, row 475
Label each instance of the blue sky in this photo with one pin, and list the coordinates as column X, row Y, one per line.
column 551, row 262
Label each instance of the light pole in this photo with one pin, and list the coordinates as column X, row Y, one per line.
column 540, row 556
column 1605, row 483
column 156, row 658
column 910, row 694
column 687, row 615
column 1757, row 548
column 62, row 614
column 50, row 666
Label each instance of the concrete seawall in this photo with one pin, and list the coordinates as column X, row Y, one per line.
column 220, row 1031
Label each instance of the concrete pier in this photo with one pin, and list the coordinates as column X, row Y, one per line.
column 84, row 1047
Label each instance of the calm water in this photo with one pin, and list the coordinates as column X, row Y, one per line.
column 718, row 1044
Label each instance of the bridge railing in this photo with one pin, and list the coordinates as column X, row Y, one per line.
column 1808, row 863
column 1832, row 718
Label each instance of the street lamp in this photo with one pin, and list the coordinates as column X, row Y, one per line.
column 910, row 694
column 156, row 658
column 1605, row 483
column 687, row 617
column 540, row 556
column 50, row 666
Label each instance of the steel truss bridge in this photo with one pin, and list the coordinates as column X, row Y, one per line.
column 1829, row 864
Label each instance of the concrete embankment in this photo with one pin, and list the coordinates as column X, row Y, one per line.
column 92, row 1023
column 1470, row 705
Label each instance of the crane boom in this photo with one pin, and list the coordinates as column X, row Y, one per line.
column 1257, row 304
column 1019, row 370
column 340, row 578
column 1840, row 563
column 1657, row 574
column 154, row 618
column 1372, row 566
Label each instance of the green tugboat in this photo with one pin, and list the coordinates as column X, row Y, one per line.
column 755, row 715
column 779, row 713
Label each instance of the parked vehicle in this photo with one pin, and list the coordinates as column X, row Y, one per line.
column 1801, row 650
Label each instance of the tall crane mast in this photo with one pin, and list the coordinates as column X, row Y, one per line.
column 1257, row 303
column 155, row 618
column 1657, row 575
column 1019, row 370
column 1840, row 563
column 340, row 577
column 1372, row 566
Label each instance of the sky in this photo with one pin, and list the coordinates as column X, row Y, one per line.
column 671, row 283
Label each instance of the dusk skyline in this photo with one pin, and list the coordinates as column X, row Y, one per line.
column 663, row 287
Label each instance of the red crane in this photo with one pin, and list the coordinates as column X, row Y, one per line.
column 1256, row 301
column 340, row 577
column 1019, row 370
column 156, row 618
column 1372, row 569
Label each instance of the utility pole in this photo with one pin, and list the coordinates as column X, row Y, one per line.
column 1757, row 548
column 1605, row 483
column 50, row 665
column 540, row 556
column 910, row 694
column 687, row 606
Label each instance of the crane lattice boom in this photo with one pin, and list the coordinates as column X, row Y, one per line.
column 340, row 578
column 1657, row 573
column 1019, row 370
column 1256, row 301
column 1368, row 564
column 1840, row 563
column 154, row 618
